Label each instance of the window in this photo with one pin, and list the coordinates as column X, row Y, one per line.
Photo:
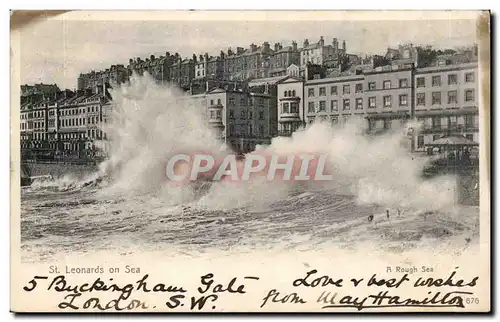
column 310, row 92
column 231, row 114
column 387, row 101
column 469, row 95
column 372, row 86
column 285, row 94
column 387, row 124
column 436, row 122
column 231, row 129
column 261, row 129
column 403, row 83
column 452, row 97
column 286, row 108
column 371, row 102
column 250, row 115
column 346, row 89
column 469, row 137
column 333, row 90
column 347, row 104
column 242, row 101
column 334, row 105
column 420, row 99
column 452, row 122
column 436, row 81
column 359, row 103
column 322, row 91
column 436, row 98
column 231, row 101
column 387, row 84
column 359, row 88
column 243, row 115
column 335, row 120
column 372, row 124
column 403, row 100
column 452, row 79
column 310, row 107
column 261, row 114
column 420, row 82
column 322, row 106
column 469, row 77
column 469, row 121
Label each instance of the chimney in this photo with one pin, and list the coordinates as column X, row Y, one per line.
column 222, row 55
column 343, row 46
column 201, row 58
column 335, row 44
column 294, row 45
column 321, row 41
column 266, row 47
column 306, row 43
column 229, row 52
column 253, row 48
column 239, row 50
column 152, row 57
column 276, row 47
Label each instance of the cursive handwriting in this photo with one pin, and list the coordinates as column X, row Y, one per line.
column 383, row 299
column 322, row 281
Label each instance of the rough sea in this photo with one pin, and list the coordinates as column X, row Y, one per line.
column 132, row 209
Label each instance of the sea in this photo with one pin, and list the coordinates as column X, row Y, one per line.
column 127, row 207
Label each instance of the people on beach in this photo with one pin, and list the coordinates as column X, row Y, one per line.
column 387, row 212
column 370, row 218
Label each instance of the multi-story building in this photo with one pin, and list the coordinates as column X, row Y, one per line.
column 209, row 67
column 334, row 99
column 442, row 98
column 67, row 122
column 253, row 62
column 282, row 58
column 116, row 74
column 318, row 53
column 290, row 107
column 387, row 95
column 446, row 102
column 240, row 118
column 157, row 67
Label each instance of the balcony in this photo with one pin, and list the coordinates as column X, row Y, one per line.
column 290, row 99
column 450, row 129
column 285, row 133
column 289, row 117
column 215, row 106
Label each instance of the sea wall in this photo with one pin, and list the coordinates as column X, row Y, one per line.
column 468, row 188
column 58, row 170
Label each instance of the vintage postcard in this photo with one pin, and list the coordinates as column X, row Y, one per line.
column 250, row 161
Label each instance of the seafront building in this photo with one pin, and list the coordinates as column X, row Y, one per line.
column 69, row 122
column 251, row 95
column 442, row 97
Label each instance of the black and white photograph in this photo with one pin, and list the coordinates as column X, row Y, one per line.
column 143, row 138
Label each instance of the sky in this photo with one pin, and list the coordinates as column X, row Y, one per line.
column 59, row 49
